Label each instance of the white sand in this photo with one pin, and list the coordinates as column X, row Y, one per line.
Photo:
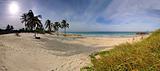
column 106, row 41
column 50, row 53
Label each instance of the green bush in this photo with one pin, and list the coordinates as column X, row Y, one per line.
column 140, row 56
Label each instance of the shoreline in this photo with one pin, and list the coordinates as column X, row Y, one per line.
column 108, row 34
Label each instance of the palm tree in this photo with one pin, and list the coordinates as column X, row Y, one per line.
column 56, row 27
column 48, row 25
column 24, row 19
column 64, row 25
column 35, row 24
column 30, row 18
column 9, row 28
column 32, row 22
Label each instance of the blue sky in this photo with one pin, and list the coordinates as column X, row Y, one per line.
column 89, row 15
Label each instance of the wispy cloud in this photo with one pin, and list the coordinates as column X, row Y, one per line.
column 95, row 15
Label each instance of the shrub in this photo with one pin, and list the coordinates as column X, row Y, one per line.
column 139, row 56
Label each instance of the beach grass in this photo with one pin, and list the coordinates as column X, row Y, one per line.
column 139, row 56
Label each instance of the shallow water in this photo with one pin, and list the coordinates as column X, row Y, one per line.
column 105, row 34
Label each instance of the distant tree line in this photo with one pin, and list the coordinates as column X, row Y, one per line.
column 8, row 29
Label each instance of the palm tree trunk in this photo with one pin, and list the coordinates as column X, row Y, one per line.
column 35, row 34
column 49, row 29
column 57, row 33
column 25, row 26
column 65, row 31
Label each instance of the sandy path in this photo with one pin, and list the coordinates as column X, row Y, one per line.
column 27, row 54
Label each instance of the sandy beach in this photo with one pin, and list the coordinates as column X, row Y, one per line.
column 52, row 53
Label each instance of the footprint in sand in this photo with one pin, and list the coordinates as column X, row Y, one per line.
column 52, row 70
column 62, row 65
column 67, row 64
column 80, row 62
column 70, row 62
column 3, row 68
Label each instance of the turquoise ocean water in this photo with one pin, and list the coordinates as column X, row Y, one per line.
column 105, row 34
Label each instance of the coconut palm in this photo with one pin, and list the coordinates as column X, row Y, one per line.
column 64, row 25
column 9, row 28
column 48, row 25
column 30, row 19
column 24, row 19
column 33, row 22
column 56, row 27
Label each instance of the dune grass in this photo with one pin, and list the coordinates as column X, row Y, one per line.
column 139, row 56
